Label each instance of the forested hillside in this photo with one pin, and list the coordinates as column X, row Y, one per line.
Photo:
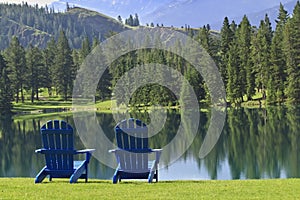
column 260, row 63
column 36, row 25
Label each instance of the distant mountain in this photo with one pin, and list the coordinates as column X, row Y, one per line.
column 115, row 8
column 198, row 13
column 256, row 17
column 195, row 13
column 33, row 25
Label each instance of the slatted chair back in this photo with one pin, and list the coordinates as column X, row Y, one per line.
column 132, row 136
column 57, row 137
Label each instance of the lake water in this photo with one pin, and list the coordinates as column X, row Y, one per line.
column 254, row 144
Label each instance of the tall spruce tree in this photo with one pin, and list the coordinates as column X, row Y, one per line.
column 34, row 62
column 64, row 74
column 85, row 49
column 204, row 38
column 48, row 71
column 15, row 56
column 246, row 78
column 226, row 39
column 261, row 56
column 292, row 49
column 277, row 78
column 6, row 95
column 136, row 21
column 233, row 88
column 96, row 42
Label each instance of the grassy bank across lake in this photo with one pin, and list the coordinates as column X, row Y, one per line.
column 40, row 106
column 24, row 188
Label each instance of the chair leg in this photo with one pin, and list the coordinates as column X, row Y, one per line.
column 41, row 175
column 78, row 172
column 150, row 177
column 86, row 171
column 115, row 179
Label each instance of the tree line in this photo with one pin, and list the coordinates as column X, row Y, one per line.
column 24, row 72
column 259, row 63
column 257, row 60
column 251, row 60
column 261, row 60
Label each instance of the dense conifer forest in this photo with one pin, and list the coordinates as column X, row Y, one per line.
column 42, row 51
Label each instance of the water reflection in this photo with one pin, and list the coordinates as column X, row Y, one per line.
column 255, row 143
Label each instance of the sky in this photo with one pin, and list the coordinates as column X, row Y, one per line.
column 39, row 2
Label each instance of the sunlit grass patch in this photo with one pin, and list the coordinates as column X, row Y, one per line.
column 24, row 188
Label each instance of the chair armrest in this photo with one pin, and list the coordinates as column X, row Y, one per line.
column 158, row 153
column 156, row 150
column 85, row 151
column 55, row 151
column 137, row 150
column 113, row 150
column 131, row 150
column 38, row 150
column 88, row 153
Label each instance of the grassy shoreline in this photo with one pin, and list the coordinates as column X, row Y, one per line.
column 24, row 188
column 47, row 107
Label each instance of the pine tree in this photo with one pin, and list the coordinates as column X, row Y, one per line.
column 96, row 42
column 6, row 95
column 67, row 6
column 246, row 77
column 85, row 49
column 204, row 38
column 226, row 40
column 130, row 21
column 292, row 49
column 261, row 56
column 48, row 71
column 34, row 63
column 64, row 74
column 233, row 88
column 277, row 72
column 120, row 19
column 15, row 56
column 136, row 21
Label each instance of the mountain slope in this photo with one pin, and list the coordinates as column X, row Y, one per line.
column 116, row 7
column 33, row 25
column 195, row 13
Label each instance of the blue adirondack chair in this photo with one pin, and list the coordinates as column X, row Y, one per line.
column 133, row 152
column 58, row 148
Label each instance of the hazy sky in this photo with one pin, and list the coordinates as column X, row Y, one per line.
column 40, row 2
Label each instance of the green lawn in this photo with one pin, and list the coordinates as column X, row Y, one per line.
column 24, row 188
column 29, row 107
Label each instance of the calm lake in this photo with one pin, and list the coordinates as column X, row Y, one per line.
column 254, row 144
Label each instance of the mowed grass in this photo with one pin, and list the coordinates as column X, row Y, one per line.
column 40, row 105
column 24, row 188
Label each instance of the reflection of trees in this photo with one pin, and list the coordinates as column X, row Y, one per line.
column 257, row 143
column 263, row 142
column 17, row 146
column 293, row 159
column 19, row 139
column 5, row 129
column 236, row 142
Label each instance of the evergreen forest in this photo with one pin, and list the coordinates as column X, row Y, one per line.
column 256, row 63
